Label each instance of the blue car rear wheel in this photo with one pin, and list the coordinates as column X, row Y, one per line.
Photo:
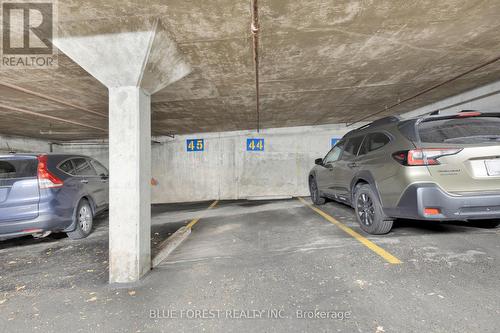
column 84, row 221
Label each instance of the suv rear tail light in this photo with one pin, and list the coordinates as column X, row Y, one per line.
column 45, row 178
column 432, row 211
column 426, row 156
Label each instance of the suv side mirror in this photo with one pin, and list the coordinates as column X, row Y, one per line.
column 318, row 161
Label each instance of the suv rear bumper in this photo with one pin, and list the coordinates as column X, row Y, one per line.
column 417, row 197
column 45, row 222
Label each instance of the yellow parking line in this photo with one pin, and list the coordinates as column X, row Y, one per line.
column 193, row 222
column 372, row 246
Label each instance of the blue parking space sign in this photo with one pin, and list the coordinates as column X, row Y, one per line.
column 195, row 145
column 255, row 144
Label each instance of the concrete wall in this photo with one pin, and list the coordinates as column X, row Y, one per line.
column 225, row 170
column 22, row 144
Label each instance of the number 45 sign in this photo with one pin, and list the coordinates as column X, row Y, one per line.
column 255, row 144
column 195, row 144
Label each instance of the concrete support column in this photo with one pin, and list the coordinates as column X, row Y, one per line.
column 134, row 59
column 129, row 187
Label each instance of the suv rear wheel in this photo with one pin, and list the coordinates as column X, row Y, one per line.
column 315, row 195
column 369, row 211
column 84, row 221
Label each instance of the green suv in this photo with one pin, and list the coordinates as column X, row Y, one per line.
column 435, row 167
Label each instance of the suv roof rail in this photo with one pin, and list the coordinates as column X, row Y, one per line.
column 381, row 121
column 438, row 112
column 378, row 122
column 385, row 120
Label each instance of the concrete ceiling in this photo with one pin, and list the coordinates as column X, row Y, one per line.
column 321, row 62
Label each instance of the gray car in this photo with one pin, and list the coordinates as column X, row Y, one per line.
column 44, row 193
column 435, row 167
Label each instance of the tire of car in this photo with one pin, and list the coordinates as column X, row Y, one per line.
column 369, row 212
column 84, row 221
column 315, row 195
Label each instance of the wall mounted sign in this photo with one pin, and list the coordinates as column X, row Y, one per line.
column 255, row 144
column 195, row 144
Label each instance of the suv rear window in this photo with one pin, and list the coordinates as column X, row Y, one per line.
column 83, row 167
column 461, row 130
column 22, row 168
column 67, row 167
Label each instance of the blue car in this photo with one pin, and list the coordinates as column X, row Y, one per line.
column 41, row 194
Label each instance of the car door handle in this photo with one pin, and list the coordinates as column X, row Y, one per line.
column 352, row 165
column 104, row 180
column 84, row 181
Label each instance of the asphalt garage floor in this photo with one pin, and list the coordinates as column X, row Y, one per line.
column 260, row 266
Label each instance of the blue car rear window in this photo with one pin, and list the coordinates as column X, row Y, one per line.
column 12, row 169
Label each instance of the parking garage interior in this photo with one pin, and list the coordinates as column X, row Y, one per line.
column 136, row 82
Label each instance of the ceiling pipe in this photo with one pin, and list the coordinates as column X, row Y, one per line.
column 90, row 143
column 254, row 28
column 60, row 143
column 387, row 108
column 42, row 115
column 53, row 99
column 51, row 132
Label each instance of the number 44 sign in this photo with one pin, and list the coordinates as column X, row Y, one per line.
column 195, row 144
column 255, row 144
